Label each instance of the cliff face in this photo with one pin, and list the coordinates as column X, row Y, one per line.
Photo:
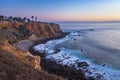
column 14, row 68
column 25, row 57
column 32, row 29
column 16, row 64
column 44, row 29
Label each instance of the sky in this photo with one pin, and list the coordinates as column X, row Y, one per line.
column 63, row 10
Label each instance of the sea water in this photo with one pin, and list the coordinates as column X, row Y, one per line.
column 98, row 44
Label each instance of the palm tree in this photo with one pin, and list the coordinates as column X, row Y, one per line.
column 28, row 20
column 32, row 17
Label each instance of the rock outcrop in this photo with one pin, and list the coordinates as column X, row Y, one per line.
column 44, row 29
column 13, row 68
column 32, row 29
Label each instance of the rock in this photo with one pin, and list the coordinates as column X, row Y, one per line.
column 56, row 50
column 81, row 50
column 20, row 30
column 64, row 70
column 13, row 68
column 41, row 29
column 74, row 39
column 91, row 78
column 103, row 65
column 91, row 29
column 82, row 64
column 99, row 76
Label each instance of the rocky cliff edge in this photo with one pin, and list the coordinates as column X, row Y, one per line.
column 16, row 64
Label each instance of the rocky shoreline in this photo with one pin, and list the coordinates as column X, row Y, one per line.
column 62, row 64
column 52, row 66
column 66, row 71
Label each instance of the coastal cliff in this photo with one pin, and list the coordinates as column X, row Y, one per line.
column 44, row 29
column 18, row 64
column 32, row 29
column 17, row 55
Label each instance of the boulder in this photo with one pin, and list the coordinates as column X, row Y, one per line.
column 82, row 64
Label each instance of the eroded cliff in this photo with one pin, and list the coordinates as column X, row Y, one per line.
column 16, row 64
column 44, row 29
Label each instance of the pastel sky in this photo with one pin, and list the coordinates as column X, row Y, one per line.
column 63, row 10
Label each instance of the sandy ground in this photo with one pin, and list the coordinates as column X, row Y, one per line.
column 26, row 44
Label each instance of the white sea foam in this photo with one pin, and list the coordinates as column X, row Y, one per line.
column 75, row 33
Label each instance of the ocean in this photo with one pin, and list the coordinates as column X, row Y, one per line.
column 96, row 43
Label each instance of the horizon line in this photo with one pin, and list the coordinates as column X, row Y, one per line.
column 107, row 21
